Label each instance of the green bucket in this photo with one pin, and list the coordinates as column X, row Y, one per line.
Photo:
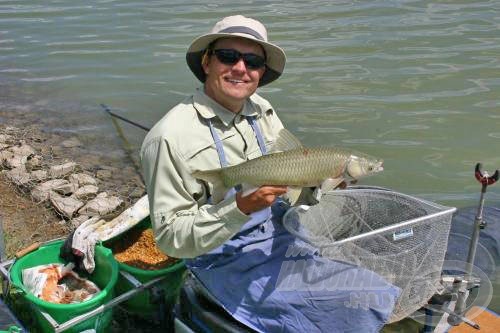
column 105, row 276
column 142, row 304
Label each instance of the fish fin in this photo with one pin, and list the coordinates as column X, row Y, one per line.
column 247, row 189
column 285, row 141
column 327, row 185
column 215, row 178
column 217, row 196
column 293, row 194
column 331, row 184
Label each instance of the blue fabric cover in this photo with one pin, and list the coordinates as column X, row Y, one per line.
column 488, row 250
column 272, row 282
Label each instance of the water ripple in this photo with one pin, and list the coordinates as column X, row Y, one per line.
column 48, row 79
column 404, row 143
column 321, row 129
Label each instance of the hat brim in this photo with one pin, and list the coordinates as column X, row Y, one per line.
column 275, row 62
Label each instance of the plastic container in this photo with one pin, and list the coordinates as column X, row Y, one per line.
column 143, row 304
column 105, row 276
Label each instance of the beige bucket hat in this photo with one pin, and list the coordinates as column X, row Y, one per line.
column 244, row 27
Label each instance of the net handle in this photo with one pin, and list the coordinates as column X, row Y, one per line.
column 408, row 223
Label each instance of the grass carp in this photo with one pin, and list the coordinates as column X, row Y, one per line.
column 296, row 167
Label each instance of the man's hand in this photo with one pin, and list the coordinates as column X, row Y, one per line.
column 260, row 199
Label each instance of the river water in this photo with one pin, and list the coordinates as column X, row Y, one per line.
column 413, row 82
column 416, row 83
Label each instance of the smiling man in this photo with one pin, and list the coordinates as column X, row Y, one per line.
column 237, row 248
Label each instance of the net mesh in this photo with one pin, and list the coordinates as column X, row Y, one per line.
column 399, row 237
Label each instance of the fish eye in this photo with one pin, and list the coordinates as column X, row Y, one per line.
column 370, row 168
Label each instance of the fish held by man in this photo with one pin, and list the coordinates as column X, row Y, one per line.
column 293, row 165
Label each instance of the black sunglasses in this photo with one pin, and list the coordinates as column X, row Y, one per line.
column 231, row 57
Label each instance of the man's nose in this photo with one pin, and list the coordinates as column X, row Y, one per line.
column 240, row 66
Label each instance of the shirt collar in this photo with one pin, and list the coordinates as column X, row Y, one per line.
column 208, row 108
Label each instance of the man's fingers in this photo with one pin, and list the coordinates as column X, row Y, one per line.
column 263, row 197
column 277, row 190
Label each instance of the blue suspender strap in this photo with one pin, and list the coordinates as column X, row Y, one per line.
column 258, row 134
column 218, row 145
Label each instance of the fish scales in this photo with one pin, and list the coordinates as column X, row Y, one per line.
column 299, row 167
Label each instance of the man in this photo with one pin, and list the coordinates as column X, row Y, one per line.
column 237, row 247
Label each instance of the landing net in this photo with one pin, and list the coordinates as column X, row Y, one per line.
column 399, row 237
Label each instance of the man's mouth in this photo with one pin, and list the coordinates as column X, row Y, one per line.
column 235, row 81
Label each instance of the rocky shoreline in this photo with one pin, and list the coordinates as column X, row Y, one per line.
column 51, row 182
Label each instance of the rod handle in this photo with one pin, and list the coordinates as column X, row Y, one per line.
column 26, row 250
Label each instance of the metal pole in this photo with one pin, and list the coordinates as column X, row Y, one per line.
column 462, row 289
column 475, row 235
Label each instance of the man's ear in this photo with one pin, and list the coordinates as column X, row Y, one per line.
column 204, row 62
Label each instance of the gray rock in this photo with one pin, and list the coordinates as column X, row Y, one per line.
column 82, row 179
column 12, row 161
column 65, row 189
column 101, row 205
column 62, row 170
column 86, row 192
column 16, row 156
column 34, row 162
column 4, row 146
column 102, row 195
column 39, row 175
column 56, row 151
column 76, row 221
column 23, row 150
column 103, row 174
column 66, row 206
column 41, row 192
column 18, row 176
column 71, row 143
column 11, row 129
column 6, row 139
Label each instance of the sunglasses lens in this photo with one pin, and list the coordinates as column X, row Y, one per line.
column 230, row 57
column 254, row 61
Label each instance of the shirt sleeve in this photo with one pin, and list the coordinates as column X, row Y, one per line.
column 183, row 228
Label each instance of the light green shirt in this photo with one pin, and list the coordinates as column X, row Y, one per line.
column 184, row 223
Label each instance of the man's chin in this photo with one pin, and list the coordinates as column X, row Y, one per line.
column 239, row 94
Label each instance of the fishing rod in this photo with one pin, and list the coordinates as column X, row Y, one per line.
column 112, row 114
column 128, row 147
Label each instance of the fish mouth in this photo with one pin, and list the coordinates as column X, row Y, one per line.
column 379, row 166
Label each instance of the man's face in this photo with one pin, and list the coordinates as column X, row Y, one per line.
column 231, row 85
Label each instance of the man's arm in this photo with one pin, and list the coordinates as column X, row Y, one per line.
column 182, row 228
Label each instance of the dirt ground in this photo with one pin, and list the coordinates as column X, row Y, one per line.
column 25, row 222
